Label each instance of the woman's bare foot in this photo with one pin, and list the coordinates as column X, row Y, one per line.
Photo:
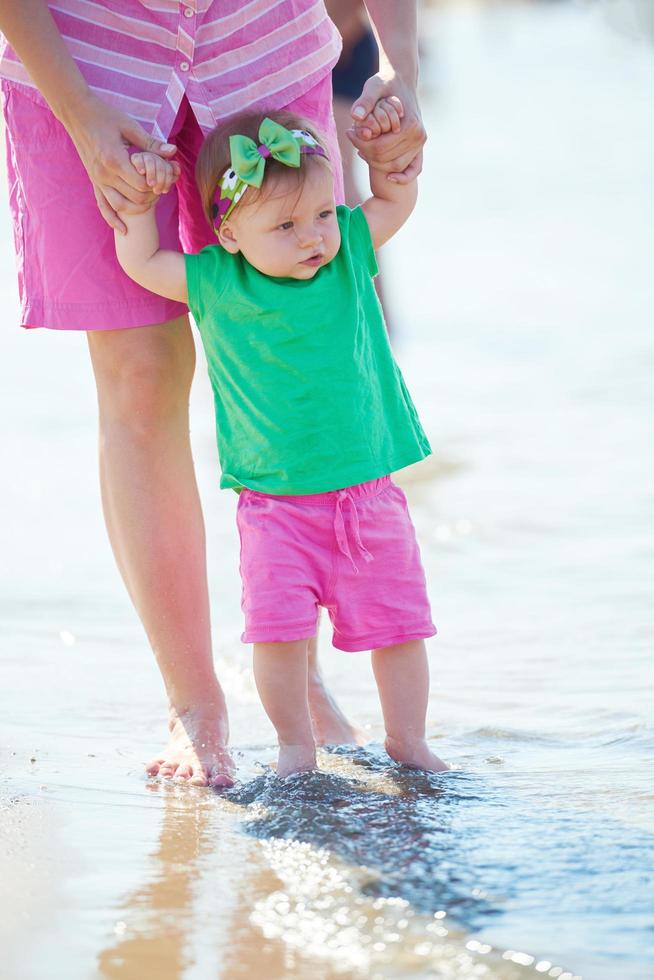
column 295, row 758
column 330, row 726
column 197, row 749
column 414, row 752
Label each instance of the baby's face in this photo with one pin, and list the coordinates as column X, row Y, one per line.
column 292, row 233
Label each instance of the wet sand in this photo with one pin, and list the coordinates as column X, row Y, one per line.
column 523, row 293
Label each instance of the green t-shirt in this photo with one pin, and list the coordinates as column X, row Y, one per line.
column 308, row 396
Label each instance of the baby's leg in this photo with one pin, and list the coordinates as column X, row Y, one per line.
column 281, row 675
column 402, row 676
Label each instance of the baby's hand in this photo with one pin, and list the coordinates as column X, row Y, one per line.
column 386, row 117
column 160, row 174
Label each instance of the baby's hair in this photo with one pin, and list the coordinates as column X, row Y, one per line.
column 214, row 157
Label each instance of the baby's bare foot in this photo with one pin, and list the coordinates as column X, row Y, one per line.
column 197, row 750
column 414, row 752
column 295, row 758
column 330, row 726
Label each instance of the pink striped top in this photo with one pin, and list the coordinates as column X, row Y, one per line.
column 225, row 55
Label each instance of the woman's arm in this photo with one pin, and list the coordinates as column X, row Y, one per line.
column 396, row 29
column 101, row 133
column 33, row 34
column 397, row 154
column 160, row 270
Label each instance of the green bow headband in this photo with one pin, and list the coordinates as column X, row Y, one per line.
column 248, row 162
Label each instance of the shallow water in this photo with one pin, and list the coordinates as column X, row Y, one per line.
column 524, row 295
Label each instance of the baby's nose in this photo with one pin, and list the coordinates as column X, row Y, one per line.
column 309, row 235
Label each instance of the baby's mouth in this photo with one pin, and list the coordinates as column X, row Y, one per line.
column 314, row 259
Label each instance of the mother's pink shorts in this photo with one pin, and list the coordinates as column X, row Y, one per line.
column 68, row 275
column 353, row 551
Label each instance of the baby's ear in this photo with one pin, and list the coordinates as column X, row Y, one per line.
column 227, row 238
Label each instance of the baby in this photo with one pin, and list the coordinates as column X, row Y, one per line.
column 312, row 413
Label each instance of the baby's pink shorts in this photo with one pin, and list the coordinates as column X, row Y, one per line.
column 68, row 274
column 353, row 551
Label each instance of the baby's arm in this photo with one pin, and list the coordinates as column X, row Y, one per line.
column 391, row 203
column 159, row 270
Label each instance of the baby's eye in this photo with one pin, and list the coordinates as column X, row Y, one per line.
column 285, row 225
column 325, row 214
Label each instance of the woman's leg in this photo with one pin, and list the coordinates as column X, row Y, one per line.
column 281, row 675
column 402, row 675
column 153, row 516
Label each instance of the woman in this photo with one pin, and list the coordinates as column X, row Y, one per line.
column 81, row 83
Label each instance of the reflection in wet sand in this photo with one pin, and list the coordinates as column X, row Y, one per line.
column 161, row 912
column 179, row 918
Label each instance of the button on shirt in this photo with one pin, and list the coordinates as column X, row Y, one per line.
column 224, row 55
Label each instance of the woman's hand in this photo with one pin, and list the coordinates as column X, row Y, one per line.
column 397, row 153
column 103, row 136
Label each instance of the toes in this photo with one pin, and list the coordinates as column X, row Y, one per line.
column 219, row 778
column 222, row 782
column 221, row 774
column 153, row 767
column 198, row 779
column 168, row 770
column 183, row 772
